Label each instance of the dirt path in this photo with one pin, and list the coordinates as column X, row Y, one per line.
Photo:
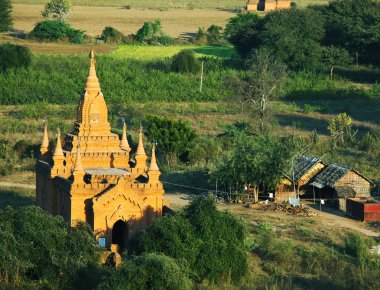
column 328, row 217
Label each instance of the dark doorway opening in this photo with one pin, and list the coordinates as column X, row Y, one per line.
column 120, row 234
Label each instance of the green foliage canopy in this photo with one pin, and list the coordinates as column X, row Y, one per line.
column 186, row 62
column 39, row 247
column 205, row 240
column 112, row 35
column 355, row 26
column 174, row 138
column 53, row 30
column 6, row 19
column 148, row 271
column 58, row 9
column 14, row 56
column 258, row 162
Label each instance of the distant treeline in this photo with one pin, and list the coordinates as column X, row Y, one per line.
column 341, row 32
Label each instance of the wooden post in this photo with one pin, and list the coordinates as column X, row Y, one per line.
column 201, row 86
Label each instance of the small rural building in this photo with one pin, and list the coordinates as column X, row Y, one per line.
column 267, row 5
column 363, row 209
column 337, row 182
column 303, row 170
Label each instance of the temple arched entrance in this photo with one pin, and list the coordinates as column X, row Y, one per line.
column 120, row 234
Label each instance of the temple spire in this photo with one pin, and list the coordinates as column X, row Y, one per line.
column 153, row 162
column 140, row 146
column 58, row 148
column 92, row 83
column 45, row 141
column 78, row 162
column 124, row 145
column 140, row 157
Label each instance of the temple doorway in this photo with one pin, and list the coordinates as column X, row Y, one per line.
column 120, row 234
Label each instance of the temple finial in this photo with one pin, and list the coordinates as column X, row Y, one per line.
column 140, row 146
column 58, row 148
column 124, row 145
column 92, row 83
column 153, row 162
column 45, row 141
column 78, row 162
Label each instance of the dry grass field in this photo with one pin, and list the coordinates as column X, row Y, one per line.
column 179, row 22
column 166, row 4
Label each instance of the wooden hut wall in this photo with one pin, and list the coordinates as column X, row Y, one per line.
column 360, row 185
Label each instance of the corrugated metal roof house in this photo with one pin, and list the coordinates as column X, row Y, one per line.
column 338, row 182
column 303, row 170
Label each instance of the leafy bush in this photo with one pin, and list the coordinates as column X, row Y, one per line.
column 149, row 271
column 112, row 35
column 151, row 33
column 207, row 241
column 39, row 247
column 53, row 30
column 14, row 56
column 174, row 138
column 186, row 62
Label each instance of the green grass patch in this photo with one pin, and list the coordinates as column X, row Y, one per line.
column 148, row 53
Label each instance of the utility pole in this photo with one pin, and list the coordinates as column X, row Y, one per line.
column 201, row 86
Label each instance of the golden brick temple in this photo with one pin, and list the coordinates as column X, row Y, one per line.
column 91, row 176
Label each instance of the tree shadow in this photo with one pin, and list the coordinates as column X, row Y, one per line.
column 190, row 182
column 360, row 75
column 360, row 104
column 308, row 123
column 16, row 197
column 216, row 51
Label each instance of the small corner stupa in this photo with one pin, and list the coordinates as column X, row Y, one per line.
column 89, row 175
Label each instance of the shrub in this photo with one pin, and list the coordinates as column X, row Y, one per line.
column 209, row 242
column 149, row 271
column 39, row 247
column 186, row 62
column 151, row 33
column 112, row 35
column 6, row 20
column 175, row 138
column 53, row 30
column 200, row 37
column 14, row 56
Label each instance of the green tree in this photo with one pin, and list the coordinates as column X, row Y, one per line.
column 243, row 31
column 200, row 37
column 354, row 25
column 58, row 9
column 186, row 62
column 340, row 129
column 214, row 34
column 295, row 36
column 174, row 138
column 14, row 56
column 333, row 56
column 256, row 163
column 208, row 242
column 39, row 247
column 261, row 84
column 6, row 20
